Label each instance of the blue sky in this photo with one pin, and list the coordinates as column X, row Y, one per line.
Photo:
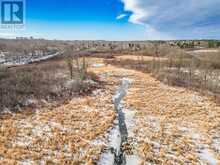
column 120, row 19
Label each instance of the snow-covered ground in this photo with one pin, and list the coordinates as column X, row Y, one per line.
column 26, row 59
column 173, row 125
column 69, row 134
column 203, row 51
column 165, row 125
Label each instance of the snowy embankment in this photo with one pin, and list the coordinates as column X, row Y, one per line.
column 26, row 60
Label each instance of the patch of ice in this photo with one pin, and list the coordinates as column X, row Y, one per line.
column 2, row 60
column 7, row 111
column 107, row 158
column 30, row 102
column 58, row 126
column 41, row 129
column 216, row 144
column 208, row 156
column 196, row 136
column 129, row 120
column 97, row 92
column 97, row 141
column 132, row 160
column 87, row 109
column 26, row 162
column 156, row 145
column 183, row 129
column 121, row 92
column 98, row 65
column 154, row 122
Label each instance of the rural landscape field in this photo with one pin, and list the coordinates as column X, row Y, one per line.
column 109, row 82
column 99, row 102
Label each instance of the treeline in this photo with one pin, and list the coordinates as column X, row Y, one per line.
column 27, row 46
column 196, row 43
column 175, row 67
column 214, row 44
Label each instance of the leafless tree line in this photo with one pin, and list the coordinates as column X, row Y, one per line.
column 176, row 67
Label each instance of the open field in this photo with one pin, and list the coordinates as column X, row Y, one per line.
column 68, row 134
column 109, row 82
column 137, row 58
column 200, row 72
column 94, row 109
column 171, row 125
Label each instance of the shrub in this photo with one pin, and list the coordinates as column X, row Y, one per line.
column 3, row 72
column 43, row 81
column 81, row 67
column 80, row 64
column 69, row 62
column 211, row 44
column 180, row 68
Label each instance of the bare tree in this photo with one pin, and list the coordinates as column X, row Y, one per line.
column 69, row 60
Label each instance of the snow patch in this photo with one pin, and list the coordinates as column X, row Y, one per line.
column 129, row 120
column 132, row 160
column 208, row 156
column 98, row 65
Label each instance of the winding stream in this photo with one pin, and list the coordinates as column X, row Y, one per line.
column 114, row 155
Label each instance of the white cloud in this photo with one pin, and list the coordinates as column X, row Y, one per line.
column 121, row 16
column 173, row 16
column 153, row 34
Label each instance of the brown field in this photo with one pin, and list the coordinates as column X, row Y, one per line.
column 67, row 134
column 172, row 124
column 137, row 58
